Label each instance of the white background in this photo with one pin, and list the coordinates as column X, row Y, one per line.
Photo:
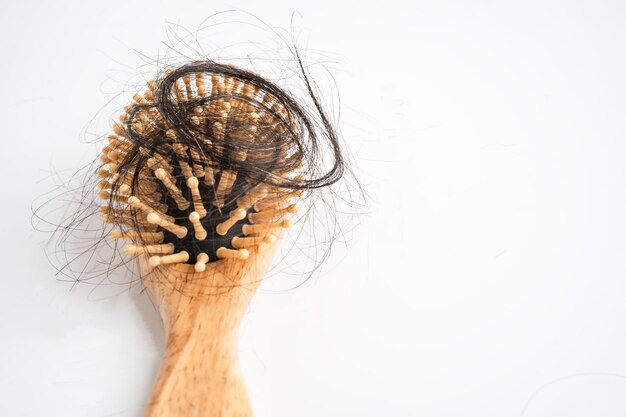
column 487, row 276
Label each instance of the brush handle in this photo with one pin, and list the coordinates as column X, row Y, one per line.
column 200, row 373
column 202, row 312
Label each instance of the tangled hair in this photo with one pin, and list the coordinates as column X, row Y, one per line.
column 268, row 139
column 245, row 135
column 291, row 137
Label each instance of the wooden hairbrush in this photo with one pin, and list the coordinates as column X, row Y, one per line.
column 199, row 178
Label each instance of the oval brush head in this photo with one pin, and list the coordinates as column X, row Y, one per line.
column 203, row 166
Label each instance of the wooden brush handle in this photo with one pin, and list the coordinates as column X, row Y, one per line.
column 202, row 313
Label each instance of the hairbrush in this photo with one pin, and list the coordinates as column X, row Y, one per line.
column 200, row 178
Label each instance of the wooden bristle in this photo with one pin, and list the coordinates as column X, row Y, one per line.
column 151, row 86
column 200, row 84
column 235, row 216
column 143, row 187
column 198, row 170
column 128, row 221
column 272, row 215
column 138, row 204
column 179, row 231
column 119, row 130
column 226, row 182
column 276, row 200
column 252, row 197
column 181, row 152
column 209, row 175
column 165, row 249
column 175, row 192
column 139, row 99
column 188, row 90
column 249, row 242
column 105, row 195
column 252, row 229
column 201, row 261
column 266, row 244
column 113, row 167
column 115, row 212
column 104, row 173
column 176, row 258
column 148, row 237
column 219, row 130
column 193, row 184
column 124, row 189
column 224, row 253
column 200, row 232
column 178, row 92
column 157, row 161
column 104, row 185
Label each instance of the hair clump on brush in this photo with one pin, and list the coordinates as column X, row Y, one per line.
column 206, row 163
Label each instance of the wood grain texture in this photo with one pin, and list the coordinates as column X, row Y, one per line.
column 202, row 312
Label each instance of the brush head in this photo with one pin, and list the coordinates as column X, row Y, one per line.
column 204, row 166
